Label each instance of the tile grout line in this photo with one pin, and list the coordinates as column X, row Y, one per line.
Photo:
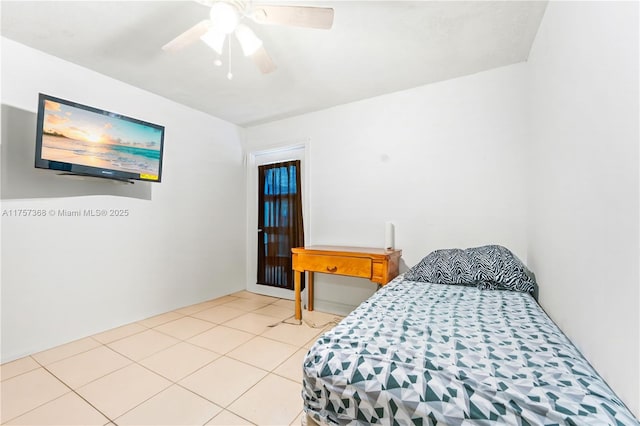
column 66, row 393
column 91, row 336
column 247, row 390
column 182, row 378
column 149, row 355
column 120, row 338
column 24, row 372
column 225, row 407
column 176, row 383
column 171, row 383
column 185, row 340
column 69, row 356
column 206, row 399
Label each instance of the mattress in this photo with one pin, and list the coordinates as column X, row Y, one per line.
column 435, row 354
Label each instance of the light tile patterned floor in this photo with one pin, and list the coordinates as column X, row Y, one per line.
column 235, row 360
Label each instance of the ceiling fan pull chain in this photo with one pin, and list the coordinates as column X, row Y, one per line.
column 229, row 75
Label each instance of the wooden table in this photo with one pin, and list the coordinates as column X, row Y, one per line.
column 376, row 264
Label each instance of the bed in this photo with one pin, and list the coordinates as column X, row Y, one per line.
column 474, row 347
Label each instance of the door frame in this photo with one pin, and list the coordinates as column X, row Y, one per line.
column 295, row 150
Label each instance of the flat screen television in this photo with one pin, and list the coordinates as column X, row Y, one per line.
column 79, row 139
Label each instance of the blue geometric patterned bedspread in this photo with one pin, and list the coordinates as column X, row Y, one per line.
column 435, row 354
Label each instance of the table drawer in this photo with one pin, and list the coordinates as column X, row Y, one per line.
column 338, row 265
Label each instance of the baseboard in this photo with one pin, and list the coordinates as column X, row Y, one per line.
column 331, row 307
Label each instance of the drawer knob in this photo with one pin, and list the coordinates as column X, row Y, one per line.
column 332, row 268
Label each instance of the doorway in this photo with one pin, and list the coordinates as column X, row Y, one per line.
column 280, row 222
column 270, row 275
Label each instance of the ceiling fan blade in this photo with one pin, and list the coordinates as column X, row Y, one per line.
column 249, row 41
column 186, row 38
column 296, row 16
column 263, row 61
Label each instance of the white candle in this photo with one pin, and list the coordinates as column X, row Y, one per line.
column 389, row 237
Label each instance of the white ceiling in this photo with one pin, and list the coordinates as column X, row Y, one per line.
column 374, row 47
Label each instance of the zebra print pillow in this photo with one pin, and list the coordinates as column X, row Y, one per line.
column 487, row 267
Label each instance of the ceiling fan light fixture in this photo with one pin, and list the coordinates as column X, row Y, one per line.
column 214, row 40
column 248, row 40
column 224, row 17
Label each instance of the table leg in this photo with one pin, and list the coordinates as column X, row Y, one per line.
column 296, row 287
column 310, row 301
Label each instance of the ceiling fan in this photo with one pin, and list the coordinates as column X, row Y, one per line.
column 226, row 17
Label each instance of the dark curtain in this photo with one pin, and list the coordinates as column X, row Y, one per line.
column 280, row 222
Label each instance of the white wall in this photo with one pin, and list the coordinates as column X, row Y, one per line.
column 583, row 180
column 443, row 161
column 65, row 278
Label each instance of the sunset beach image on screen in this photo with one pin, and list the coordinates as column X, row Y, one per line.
column 74, row 135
